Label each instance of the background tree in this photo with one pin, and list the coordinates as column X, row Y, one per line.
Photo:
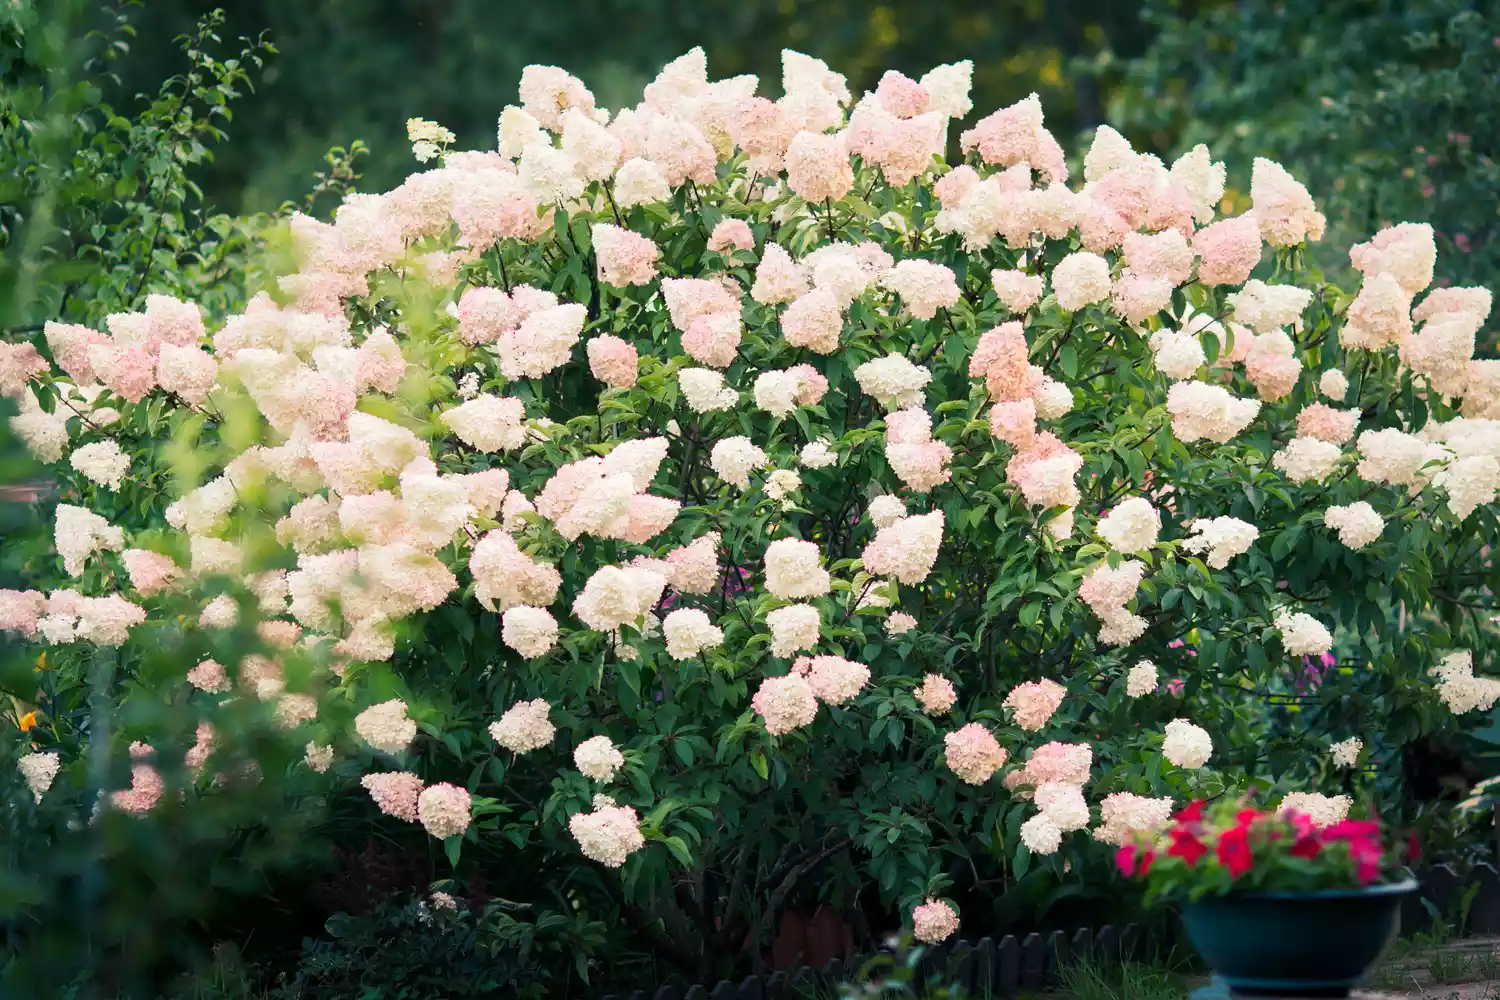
column 358, row 69
column 1389, row 111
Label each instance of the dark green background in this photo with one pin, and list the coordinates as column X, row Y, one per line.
column 359, row 68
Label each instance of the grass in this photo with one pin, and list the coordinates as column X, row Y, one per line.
column 1088, row 980
column 1443, row 967
column 1429, row 951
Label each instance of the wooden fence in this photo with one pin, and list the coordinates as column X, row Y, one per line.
column 986, row 968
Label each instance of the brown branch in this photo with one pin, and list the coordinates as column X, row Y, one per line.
column 1462, row 603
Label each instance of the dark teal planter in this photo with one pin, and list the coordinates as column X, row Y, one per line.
column 1296, row 944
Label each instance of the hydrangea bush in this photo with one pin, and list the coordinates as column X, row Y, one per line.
column 674, row 503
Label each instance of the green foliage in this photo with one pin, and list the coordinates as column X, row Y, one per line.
column 897, row 972
column 1388, row 111
column 1128, row 980
column 421, row 951
column 101, row 207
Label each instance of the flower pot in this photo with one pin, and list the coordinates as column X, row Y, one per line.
column 1296, row 944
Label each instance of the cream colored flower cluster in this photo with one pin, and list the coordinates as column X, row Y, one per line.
column 1460, row 689
column 1186, row 745
column 1323, row 810
column 1123, row 816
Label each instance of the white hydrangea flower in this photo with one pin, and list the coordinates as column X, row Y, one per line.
column 1302, row 634
column 894, row 381
column 1346, row 753
column 885, row 510
column 1041, row 835
column 1222, row 538
column 1323, row 810
column 782, row 483
column 598, row 758
column 733, row 458
column 1333, row 384
column 817, row 455
column 1131, row 527
column 1141, row 680
column 1307, row 459
column 1357, row 524
column 793, row 628
column 102, row 463
column 1186, row 746
column 688, row 632
column 705, row 391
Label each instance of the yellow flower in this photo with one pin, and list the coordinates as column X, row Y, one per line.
column 27, row 722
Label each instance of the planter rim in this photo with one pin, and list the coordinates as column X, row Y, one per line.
column 1400, row 888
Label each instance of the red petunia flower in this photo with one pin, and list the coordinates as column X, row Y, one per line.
column 1354, row 830
column 1191, row 813
column 1363, row 838
column 1306, row 847
column 1186, row 846
column 1133, row 861
column 1234, row 850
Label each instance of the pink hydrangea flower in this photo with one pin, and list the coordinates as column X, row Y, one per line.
column 444, row 810
column 814, row 321
column 150, row 572
column 900, row 95
column 1066, row 763
column 818, row 168
column 952, row 187
column 935, row 694
column 785, row 703
column 1228, row 251
column 973, row 754
column 128, row 372
column 613, row 361
column 934, row 921
column 833, row 679
column 1035, row 702
column 146, row 784
column 396, row 793
column 1321, row 421
column 625, row 257
column 730, row 235
column 906, row 549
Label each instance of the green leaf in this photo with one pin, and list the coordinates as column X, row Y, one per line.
column 679, row 849
column 451, row 847
column 1067, row 359
column 758, row 761
column 654, row 817
column 1286, row 540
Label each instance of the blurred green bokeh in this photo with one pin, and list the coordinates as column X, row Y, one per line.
column 359, row 68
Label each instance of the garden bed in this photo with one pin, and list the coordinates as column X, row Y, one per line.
column 1009, row 966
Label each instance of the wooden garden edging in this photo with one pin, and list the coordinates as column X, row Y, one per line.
column 984, row 968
